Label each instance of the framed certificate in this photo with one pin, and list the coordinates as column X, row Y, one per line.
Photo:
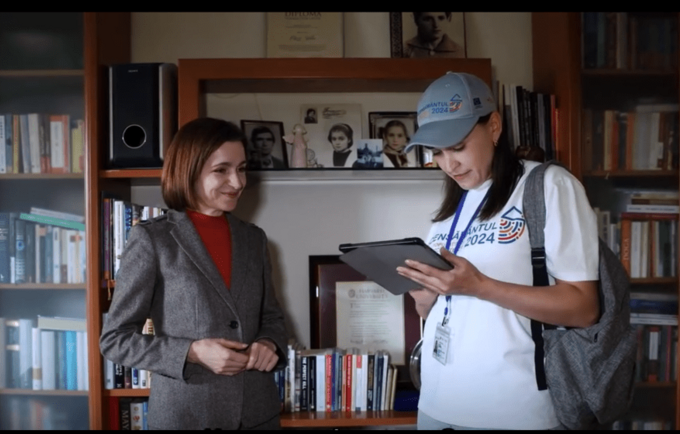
column 348, row 310
column 305, row 34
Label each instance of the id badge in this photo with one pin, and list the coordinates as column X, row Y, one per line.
column 441, row 343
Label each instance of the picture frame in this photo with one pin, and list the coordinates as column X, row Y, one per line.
column 271, row 153
column 403, row 124
column 407, row 38
column 332, row 132
column 327, row 273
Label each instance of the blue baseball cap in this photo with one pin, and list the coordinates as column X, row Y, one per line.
column 450, row 108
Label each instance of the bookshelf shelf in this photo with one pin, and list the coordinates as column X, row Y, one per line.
column 608, row 73
column 631, row 173
column 660, row 384
column 41, row 286
column 126, row 393
column 655, row 281
column 42, row 73
column 303, row 174
column 347, row 419
column 30, row 392
column 41, row 176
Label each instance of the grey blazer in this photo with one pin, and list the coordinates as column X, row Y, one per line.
column 167, row 274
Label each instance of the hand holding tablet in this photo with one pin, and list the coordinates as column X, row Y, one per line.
column 378, row 261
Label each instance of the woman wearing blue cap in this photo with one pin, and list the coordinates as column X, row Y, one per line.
column 477, row 362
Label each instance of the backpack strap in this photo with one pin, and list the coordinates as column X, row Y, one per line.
column 533, row 208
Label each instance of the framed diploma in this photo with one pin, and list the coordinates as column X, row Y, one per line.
column 305, row 34
column 349, row 311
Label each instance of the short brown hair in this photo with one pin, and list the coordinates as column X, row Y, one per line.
column 189, row 150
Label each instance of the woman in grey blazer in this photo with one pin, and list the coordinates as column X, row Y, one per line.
column 204, row 278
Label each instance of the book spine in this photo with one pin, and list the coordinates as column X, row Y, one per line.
column 48, row 355
column 26, row 351
column 311, row 382
column 71, row 360
column 36, row 359
column 61, row 359
column 4, row 248
column 20, row 250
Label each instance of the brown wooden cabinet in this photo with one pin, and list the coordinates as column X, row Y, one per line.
column 607, row 70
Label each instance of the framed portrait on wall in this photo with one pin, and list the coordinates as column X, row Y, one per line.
column 427, row 34
column 349, row 311
column 265, row 148
column 395, row 129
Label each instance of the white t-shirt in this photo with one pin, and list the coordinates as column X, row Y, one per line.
column 489, row 378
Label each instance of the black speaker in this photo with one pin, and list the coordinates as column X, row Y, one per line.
column 142, row 113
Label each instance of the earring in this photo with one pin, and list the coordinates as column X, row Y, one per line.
column 495, row 143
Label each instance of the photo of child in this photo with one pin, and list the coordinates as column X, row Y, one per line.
column 341, row 138
column 395, row 130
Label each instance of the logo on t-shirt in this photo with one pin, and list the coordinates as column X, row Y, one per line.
column 512, row 226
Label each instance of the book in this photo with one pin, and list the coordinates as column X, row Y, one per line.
column 25, row 353
column 3, row 355
column 36, row 359
column 71, row 359
column 136, row 414
column 48, row 355
column 57, row 214
column 61, row 323
column 60, row 143
column 4, row 248
column 49, row 220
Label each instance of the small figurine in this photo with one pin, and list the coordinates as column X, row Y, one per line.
column 311, row 159
column 298, row 154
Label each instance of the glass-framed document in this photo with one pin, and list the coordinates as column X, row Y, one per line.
column 348, row 310
column 305, row 34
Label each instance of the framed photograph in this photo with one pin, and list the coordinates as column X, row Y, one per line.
column 349, row 311
column 394, row 130
column 265, row 148
column 332, row 132
column 427, row 34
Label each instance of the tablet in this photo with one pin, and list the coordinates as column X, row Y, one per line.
column 378, row 261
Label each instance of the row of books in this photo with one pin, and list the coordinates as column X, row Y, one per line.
column 118, row 218
column 656, row 359
column 49, row 353
column 529, row 118
column 117, row 376
column 39, row 247
column 41, row 143
column 623, row 40
column 644, row 138
column 32, row 413
column 126, row 414
column 649, row 245
column 335, row 379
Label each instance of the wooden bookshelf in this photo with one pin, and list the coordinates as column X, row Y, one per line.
column 558, row 67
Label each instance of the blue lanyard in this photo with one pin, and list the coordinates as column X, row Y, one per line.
column 460, row 238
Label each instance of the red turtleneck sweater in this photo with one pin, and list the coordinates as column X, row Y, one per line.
column 216, row 236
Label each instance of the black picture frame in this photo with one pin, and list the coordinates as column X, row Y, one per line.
column 377, row 121
column 324, row 272
column 279, row 156
column 403, row 28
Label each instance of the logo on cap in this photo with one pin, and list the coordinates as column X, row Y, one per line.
column 476, row 102
column 455, row 104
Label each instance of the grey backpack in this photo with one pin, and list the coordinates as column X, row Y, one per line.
column 590, row 371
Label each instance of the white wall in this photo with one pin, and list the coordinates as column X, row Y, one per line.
column 312, row 217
